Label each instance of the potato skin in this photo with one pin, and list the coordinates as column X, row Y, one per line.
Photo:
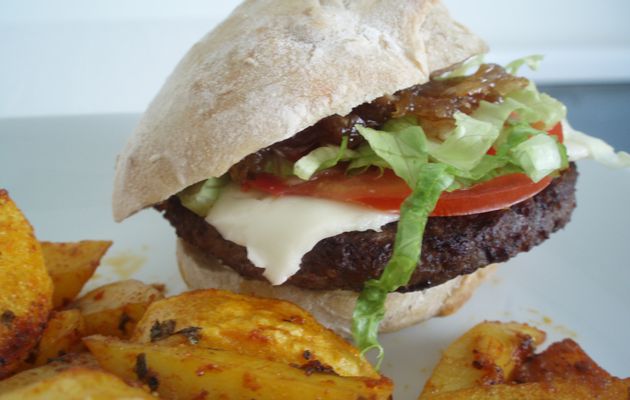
column 115, row 308
column 195, row 372
column 62, row 336
column 496, row 360
column 486, row 354
column 26, row 298
column 266, row 328
column 70, row 265
column 554, row 390
column 77, row 377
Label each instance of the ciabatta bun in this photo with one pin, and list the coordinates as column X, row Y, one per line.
column 332, row 308
column 273, row 68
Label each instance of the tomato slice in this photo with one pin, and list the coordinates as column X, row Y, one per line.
column 385, row 191
column 557, row 132
column 496, row 194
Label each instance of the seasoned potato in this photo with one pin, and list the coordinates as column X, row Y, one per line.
column 496, row 361
column 114, row 309
column 486, row 354
column 62, row 335
column 70, row 265
column 26, row 295
column 77, row 378
column 554, row 390
column 265, row 328
column 192, row 372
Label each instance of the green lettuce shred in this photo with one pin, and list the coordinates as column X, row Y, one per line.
column 200, row 197
column 402, row 145
column 466, row 145
column 322, row 158
column 539, row 156
column 431, row 180
column 463, row 69
column 533, row 62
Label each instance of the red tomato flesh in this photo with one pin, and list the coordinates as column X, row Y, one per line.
column 385, row 191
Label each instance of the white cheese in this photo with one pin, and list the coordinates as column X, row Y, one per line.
column 278, row 231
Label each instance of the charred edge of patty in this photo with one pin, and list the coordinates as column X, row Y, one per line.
column 452, row 246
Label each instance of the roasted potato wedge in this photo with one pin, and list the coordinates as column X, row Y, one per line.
column 70, row 265
column 189, row 372
column 62, row 336
column 78, row 378
column 486, row 354
column 496, row 361
column 114, row 309
column 26, row 295
column 266, row 328
column 553, row 390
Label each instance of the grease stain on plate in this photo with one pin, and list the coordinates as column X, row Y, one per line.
column 549, row 324
column 126, row 263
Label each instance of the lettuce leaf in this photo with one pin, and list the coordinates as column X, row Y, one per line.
column 200, row 197
column 472, row 63
column 533, row 62
column 322, row 158
column 365, row 157
column 402, row 145
column 542, row 106
column 539, row 156
column 431, row 179
column 583, row 146
column 467, row 144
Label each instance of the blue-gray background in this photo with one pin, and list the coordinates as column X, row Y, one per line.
column 601, row 110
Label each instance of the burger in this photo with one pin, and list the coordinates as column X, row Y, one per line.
column 357, row 158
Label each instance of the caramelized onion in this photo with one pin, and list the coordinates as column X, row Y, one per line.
column 433, row 104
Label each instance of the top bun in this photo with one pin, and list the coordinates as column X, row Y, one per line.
column 272, row 69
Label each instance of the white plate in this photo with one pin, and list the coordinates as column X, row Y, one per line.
column 577, row 284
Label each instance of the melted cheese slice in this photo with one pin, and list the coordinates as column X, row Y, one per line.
column 278, row 231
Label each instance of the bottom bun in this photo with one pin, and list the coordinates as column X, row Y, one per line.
column 332, row 308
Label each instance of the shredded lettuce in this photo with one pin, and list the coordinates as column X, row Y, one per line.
column 466, row 145
column 539, row 156
column 431, row 180
column 322, row 158
column 200, row 197
column 541, row 107
column 533, row 62
column 365, row 157
column 463, row 69
column 583, row 146
column 402, row 145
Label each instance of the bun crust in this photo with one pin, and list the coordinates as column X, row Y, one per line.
column 332, row 308
column 272, row 69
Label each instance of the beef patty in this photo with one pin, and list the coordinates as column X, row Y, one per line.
column 452, row 246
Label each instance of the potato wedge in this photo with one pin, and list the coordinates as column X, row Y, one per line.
column 26, row 295
column 70, row 265
column 486, row 354
column 266, row 328
column 62, row 335
column 115, row 308
column 554, row 390
column 78, row 378
column 187, row 372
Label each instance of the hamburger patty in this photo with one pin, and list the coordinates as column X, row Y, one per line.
column 452, row 246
